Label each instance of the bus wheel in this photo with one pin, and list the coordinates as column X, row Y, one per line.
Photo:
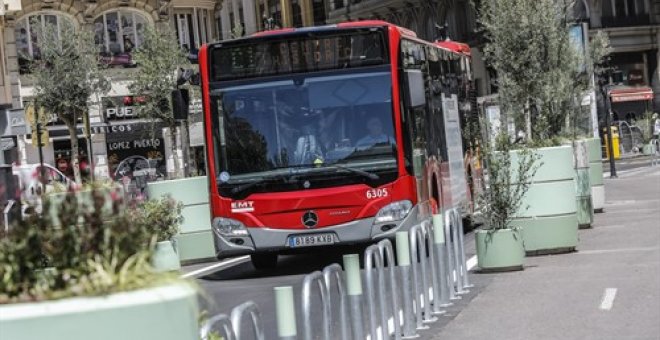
column 264, row 261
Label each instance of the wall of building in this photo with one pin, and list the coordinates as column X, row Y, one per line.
column 193, row 21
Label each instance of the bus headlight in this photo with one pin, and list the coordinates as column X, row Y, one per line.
column 229, row 227
column 394, row 211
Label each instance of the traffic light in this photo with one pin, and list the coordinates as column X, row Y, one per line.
column 40, row 136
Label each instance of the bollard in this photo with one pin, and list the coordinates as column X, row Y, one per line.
column 372, row 257
column 387, row 253
column 461, row 247
column 420, row 278
column 403, row 260
column 335, row 272
column 237, row 317
column 585, row 210
column 441, row 275
column 285, row 311
column 308, row 281
column 226, row 330
column 354, row 290
column 449, row 250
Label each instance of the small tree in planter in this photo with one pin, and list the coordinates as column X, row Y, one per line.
column 91, row 252
column 163, row 216
column 500, row 244
column 541, row 82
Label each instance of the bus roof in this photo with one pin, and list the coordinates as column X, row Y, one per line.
column 347, row 24
column 454, row 46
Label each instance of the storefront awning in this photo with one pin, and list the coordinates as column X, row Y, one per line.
column 631, row 94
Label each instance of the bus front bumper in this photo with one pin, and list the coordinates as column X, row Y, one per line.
column 264, row 240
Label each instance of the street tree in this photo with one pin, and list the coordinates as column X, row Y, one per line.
column 541, row 75
column 67, row 76
column 159, row 60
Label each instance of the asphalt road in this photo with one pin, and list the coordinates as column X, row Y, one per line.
column 555, row 297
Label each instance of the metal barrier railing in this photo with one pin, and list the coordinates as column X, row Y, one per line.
column 237, row 315
column 434, row 248
column 387, row 253
column 309, row 280
column 221, row 322
column 334, row 273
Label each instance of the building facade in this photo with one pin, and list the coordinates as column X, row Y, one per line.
column 120, row 142
column 633, row 27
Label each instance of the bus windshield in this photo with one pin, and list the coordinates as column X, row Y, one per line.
column 301, row 127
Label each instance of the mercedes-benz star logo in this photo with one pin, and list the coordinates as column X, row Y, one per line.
column 310, row 219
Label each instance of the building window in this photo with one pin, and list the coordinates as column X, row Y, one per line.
column 625, row 13
column 193, row 29
column 26, row 31
column 118, row 34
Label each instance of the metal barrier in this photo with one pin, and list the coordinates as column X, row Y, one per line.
column 387, row 253
column 419, row 266
column 334, row 273
column 439, row 285
column 403, row 260
column 354, row 290
column 454, row 235
column 655, row 158
column 237, row 318
column 318, row 278
column 372, row 257
column 428, row 248
column 226, row 330
column 230, row 326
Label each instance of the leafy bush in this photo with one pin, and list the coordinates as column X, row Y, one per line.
column 92, row 250
column 162, row 216
column 509, row 180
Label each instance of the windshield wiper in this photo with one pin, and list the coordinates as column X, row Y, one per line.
column 263, row 179
column 366, row 174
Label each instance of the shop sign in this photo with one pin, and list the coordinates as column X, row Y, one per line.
column 127, row 157
column 121, row 128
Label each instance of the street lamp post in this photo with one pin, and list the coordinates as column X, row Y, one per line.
column 608, row 123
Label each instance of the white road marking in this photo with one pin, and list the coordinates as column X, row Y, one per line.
column 608, row 299
column 216, row 266
column 619, row 250
column 471, row 262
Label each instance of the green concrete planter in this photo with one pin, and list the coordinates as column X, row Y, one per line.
column 195, row 240
column 165, row 257
column 160, row 313
column 596, row 174
column 648, row 149
column 550, row 224
column 500, row 250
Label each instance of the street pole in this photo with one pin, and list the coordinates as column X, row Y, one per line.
column 608, row 122
column 41, row 152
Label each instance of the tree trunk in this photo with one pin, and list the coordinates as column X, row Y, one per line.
column 175, row 155
column 75, row 163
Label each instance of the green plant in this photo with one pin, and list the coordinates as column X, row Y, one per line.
column 509, row 179
column 65, row 76
column 646, row 124
column 162, row 217
column 91, row 251
column 541, row 76
column 159, row 58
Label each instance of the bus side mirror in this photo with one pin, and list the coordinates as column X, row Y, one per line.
column 415, row 86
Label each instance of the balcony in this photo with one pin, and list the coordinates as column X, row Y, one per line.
column 626, row 21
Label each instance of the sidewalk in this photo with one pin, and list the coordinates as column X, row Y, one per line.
column 609, row 289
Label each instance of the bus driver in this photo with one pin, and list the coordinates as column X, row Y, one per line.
column 375, row 136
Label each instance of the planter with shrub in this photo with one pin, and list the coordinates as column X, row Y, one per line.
column 500, row 243
column 90, row 276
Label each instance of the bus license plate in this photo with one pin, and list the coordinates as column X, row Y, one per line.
column 311, row 240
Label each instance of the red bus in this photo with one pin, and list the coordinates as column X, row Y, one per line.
column 334, row 135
